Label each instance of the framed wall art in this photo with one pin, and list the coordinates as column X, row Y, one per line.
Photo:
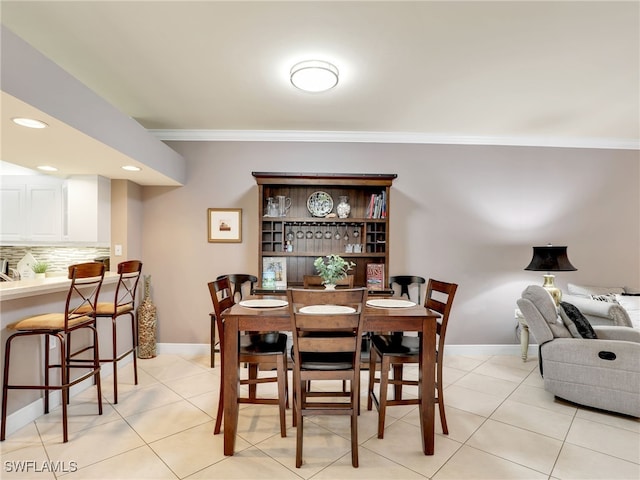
column 225, row 225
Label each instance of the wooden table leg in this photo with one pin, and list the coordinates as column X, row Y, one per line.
column 427, row 375
column 231, row 381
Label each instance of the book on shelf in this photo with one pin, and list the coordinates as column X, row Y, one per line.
column 274, row 273
column 375, row 276
column 377, row 206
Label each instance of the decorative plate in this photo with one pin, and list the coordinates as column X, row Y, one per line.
column 329, row 309
column 390, row 303
column 264, row 303
column 320, row 204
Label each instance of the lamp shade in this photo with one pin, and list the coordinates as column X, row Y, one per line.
column 550, row 259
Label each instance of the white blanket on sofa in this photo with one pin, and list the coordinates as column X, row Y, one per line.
column 628, row 298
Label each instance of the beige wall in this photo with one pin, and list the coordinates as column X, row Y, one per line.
column 466, row 214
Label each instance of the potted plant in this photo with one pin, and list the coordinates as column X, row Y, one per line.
column 40, row 268
column 332, row 268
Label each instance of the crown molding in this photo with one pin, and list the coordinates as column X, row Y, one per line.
column 390, row 137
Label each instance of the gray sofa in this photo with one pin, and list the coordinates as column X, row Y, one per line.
column 602, row 373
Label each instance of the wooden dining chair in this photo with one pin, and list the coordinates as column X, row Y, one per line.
column 327, row 327
column 79, row 314
column 254, row 350
column 315, row 281
column 238, row 281
column 406, row 281
column 396, row 349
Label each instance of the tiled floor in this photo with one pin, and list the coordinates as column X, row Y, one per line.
column 502, row 425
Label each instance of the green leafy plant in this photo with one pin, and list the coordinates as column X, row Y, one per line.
column 332, row 268
column 40, row 267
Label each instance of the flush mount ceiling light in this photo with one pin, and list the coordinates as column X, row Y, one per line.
column 131, row 168
column 47, row 168
column 29, row 122
column 314, row 76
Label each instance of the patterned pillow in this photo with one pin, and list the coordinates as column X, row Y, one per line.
column 575, row 321
column 607, row 297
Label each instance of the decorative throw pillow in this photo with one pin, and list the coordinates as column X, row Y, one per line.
column 575, row 321
column 607, row 297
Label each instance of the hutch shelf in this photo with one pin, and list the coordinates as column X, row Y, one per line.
column 307, row 232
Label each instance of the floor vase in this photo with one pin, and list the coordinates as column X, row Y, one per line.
column 147, row 323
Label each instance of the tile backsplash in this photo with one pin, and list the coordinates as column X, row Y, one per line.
column 58, row 258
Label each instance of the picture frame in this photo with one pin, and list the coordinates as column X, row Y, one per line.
column 224, row 225
column 274, row 273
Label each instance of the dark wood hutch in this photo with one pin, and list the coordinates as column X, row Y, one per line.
column 313, row 234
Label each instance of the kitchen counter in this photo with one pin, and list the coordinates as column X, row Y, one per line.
column 31, row 288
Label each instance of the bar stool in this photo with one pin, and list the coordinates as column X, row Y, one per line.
column 123, row 304
column 79, row 314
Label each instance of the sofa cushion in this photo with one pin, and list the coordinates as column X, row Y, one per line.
column 588, row 291
column 575, row 321
column 631, row 304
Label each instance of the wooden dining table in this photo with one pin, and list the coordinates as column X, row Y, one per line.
column 376, row 319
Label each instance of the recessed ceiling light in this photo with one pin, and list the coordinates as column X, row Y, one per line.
column 314, row 76
column 47, row 168
column 131, row 168
column 29, row 122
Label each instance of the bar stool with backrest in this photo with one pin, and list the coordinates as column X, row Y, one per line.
column 123, row 304
column 405, row 281
column 327, row 327
column 396, row 350
column 253, row 349
column 79, row 314
column 237, row 281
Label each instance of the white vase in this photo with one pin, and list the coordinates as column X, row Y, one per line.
column 343, row 209
column 329, row 286
column 40, row 276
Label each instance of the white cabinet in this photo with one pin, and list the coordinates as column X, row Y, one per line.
column 31, row 208
column 88, row 210
column 42, row 209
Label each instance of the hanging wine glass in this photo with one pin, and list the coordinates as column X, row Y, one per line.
column 356, row 232
column 345, row 235
column 337, row 235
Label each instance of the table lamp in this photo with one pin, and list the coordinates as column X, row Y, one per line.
column 551, row 259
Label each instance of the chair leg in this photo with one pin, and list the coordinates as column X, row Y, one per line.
column 213, row 340
column 5, row 388
column 355, row 405
column 46, row 373
column 299, row 423
column 440, row 392
column 384, row 386
column 397, row 375
column 372, row 377
column 114, row 355
column 253, row 374
column 282, row 392
column 64, row 380
column 134, row 345
column 96, row 368
column 218, row 425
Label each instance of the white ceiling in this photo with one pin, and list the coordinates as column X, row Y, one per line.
column 561, row 73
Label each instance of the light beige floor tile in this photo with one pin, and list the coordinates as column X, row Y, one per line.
column 80, row 416
column 247, row 464
column 489, row 385
column 451, row 375
column 513, row 362
column 28, row 461
column 194, row 385
column 192, row 450
column 534, row 379
column 136, row 464
column 620, row 421
column 505, row 372
column 539, row 397
column 472, row 464
column 178, row 368
column 258, row 422
column 471, row 400
column 613, row 441
column 578, row 463
column 371, row 467
column 207, row 402
column 145, row 398
column 461, row 424
column 27, row 435
column 402, row 444
column 462, row 362
column 167, row 420
column 535, row 419
column 526, row 448
column 95, row 444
